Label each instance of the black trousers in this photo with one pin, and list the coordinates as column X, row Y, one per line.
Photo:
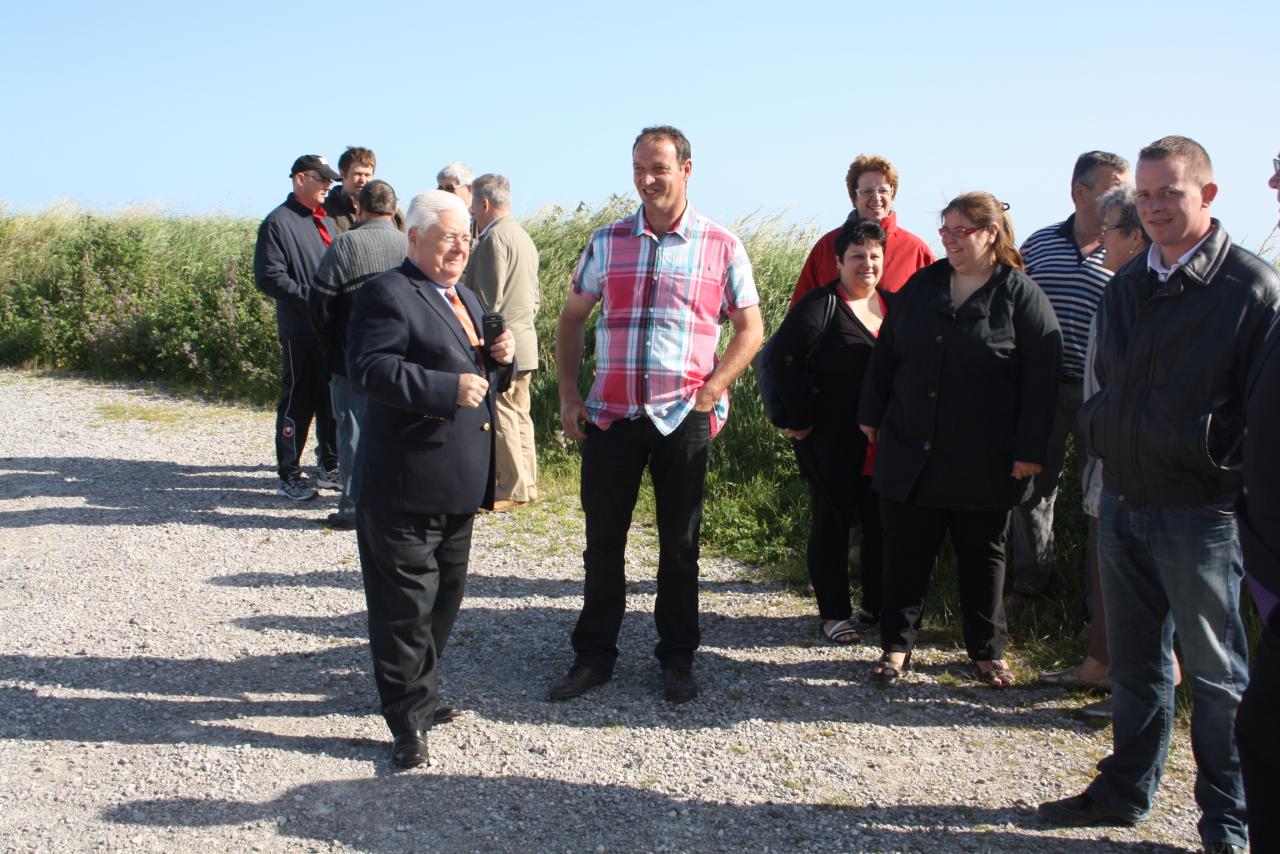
column 912, row 537
column 613, row 462
column 828, row 552
column 1259, row 743
column 415, row 571
column 304, row 395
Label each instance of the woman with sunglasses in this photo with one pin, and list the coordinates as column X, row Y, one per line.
column 959, row 395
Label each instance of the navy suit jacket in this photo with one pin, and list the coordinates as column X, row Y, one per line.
column 420, row 452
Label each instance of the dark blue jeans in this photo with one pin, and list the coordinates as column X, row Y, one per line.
column 348, row 412
column 1167, row 569
column 613, row 462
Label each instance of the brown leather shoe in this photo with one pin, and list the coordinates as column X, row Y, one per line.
column 506, row 504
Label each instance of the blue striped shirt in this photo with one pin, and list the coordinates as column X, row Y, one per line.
column 1072, row 282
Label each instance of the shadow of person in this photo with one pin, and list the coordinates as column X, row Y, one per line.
column 142, row 492
column 424, row 810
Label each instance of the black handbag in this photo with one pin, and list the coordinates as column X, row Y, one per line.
column 767, row 363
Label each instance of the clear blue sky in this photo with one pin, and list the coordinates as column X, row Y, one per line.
column 199, row 108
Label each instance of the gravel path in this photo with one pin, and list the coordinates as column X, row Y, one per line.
column 183, row 668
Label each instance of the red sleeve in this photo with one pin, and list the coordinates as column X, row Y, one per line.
column 819, row 268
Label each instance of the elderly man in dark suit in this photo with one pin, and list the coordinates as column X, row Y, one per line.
column 425, row 460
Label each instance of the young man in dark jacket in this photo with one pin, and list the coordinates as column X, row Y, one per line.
column 291, row 242
column 1184, row 325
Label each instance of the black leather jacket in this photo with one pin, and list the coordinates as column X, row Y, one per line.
column 1172, row 361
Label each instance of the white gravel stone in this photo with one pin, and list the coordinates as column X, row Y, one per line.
column 183, row 667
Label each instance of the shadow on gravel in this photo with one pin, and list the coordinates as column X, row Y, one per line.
column 146, row 492
column 503, row 676
column 441, row 812
column 191, row 701
column 341, row 579
column 479, row 583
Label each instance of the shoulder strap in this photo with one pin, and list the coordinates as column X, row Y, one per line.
column 828, row 312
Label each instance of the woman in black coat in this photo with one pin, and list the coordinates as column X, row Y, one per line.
column 959, row 395
column 821, row 353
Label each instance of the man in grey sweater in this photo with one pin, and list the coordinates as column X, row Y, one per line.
column 372, row 246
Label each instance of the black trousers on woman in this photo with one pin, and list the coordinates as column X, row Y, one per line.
column 828, row 555
column 912, row 538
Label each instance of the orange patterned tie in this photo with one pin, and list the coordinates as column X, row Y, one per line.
column 465, row 319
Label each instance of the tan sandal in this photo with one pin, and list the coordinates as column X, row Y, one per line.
column 998, row 676
column 885, row 671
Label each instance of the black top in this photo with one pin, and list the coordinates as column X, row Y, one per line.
column 824, row 395
column 1260, row 505
column 959, row 395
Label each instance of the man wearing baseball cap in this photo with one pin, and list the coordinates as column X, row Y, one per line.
column 291, row 241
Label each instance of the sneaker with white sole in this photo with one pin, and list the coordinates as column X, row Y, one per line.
column 327, row 478
column 296, row 488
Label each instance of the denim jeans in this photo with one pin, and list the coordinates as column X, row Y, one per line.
column 348, row 411
column 1167, row 569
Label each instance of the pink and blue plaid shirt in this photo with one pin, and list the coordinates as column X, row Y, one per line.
column 665, row 300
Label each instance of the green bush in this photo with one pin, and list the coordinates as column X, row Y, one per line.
column 137, row 295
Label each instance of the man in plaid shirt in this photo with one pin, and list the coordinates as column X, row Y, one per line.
column 666, row 279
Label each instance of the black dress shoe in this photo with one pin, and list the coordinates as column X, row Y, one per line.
column 339, row 522
column 678, row 684
column 445, row 714
column 1082, row 811
column 580, row 679
column 409, row 750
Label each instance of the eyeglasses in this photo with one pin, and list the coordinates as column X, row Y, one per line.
column 317, row 178
column 1107, row 228
column 957, row 233
column 448, row 188
column 884, row 190
column 457, row 239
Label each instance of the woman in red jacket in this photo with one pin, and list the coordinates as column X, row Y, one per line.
column 873, row 188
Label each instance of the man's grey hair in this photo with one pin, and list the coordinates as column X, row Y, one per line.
column 425, row 209
column 1123, row 200
column 377, row 197
column 495, row 188
column 458, row 172
column 1087, row 164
